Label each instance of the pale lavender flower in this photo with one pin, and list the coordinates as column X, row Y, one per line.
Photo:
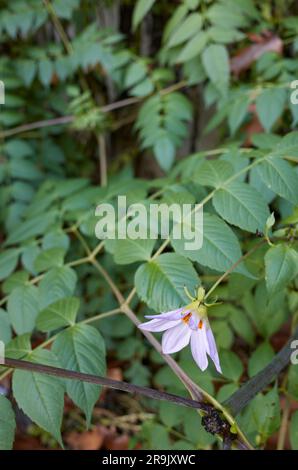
column 183, row 326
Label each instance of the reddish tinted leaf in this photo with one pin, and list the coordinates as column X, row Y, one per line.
column 244, row 58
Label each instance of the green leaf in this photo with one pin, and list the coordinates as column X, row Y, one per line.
column 280, row 177
column 294, row 431
column 81, row 348
column 59, row 314
column 49, row 258
column 135, row 73
column 270, row 105
column 270, row 222
column 22, row 308
column 45, row 71
column 190, row 26
column 143, row 88
column 18, row 148
column 266, row 141
column 223, row 35
column 164, row 151
column 179, row 14
column 26, row 70
column 157, row 435
column 281, row 266
column 213, row 173
column 178, row 105
column 141, row 8
column 30, row 252
column 177, row 194
column 170, row 414
column 192, row 4
column 237, row 113
column 241, row 205
column 227, row 16
column 5, row 328
column 260, row 358
column 7, row 424
column 231, row 365
column 18, row 347
column 8, row 262
column 256, row 181
column 138, row 374
column 268, row 312
column 194, row 430
column 181, row 445
column 130, row 251
column 270, row 409
column 32, row 227
column 287, row 146
column 216, row 63
column 223, row 334
column 238, row 162
column 293, row 374
column 193, row 47
column 220, row 249
column 55, row 239
column 58, row 283
column 226, row 391
column 160, row 283
column 261, row 418
column 27, row 170
column 40, row 396
column 116, row 327
column 64, row 8
column 241, row 324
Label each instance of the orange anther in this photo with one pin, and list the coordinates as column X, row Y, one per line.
column 186, row 318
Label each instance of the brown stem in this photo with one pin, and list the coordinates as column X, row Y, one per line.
column 102, row 160
column 68, row 119
column 36, row 125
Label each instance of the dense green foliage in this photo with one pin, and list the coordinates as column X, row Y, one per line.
column 173, row 61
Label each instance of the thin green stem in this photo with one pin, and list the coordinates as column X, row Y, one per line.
column 67, row 44
column 234, row 266
column 101, row 316
column 83, row 241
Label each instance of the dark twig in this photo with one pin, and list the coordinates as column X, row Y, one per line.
column 106, row 382
column 255, row 385
column 212, row 420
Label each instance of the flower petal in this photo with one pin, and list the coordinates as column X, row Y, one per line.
column 213, row 349
column 198, row 347
column 176, row 338
column 172, row 315
column 193, row 322
column 158, row 324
